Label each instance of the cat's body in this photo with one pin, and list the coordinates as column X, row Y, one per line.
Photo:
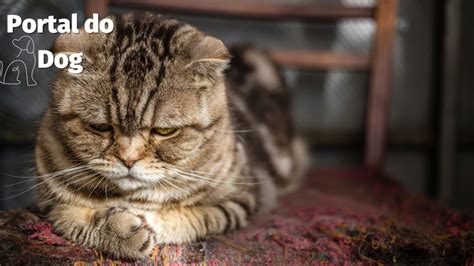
column 153, row 144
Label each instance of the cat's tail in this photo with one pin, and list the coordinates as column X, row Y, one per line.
column 260, row 93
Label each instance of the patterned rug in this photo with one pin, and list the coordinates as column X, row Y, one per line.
column 336, row 217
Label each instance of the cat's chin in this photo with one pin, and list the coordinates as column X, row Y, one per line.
column 129, row 183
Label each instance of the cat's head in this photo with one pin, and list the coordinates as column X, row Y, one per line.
column 150, row 99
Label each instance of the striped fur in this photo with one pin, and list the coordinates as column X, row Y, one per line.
column 107, row 180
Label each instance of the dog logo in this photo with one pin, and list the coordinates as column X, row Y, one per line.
column 11, row 74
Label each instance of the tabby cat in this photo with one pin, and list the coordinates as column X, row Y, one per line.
column 159, row 141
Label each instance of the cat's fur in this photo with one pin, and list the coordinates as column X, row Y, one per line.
column 124, row 188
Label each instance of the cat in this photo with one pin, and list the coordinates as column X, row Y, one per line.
column 163, row 138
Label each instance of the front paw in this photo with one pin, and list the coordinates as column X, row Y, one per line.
column 127, row 235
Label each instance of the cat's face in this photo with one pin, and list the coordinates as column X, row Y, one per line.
column 149, row 101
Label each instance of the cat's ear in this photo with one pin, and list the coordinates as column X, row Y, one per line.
column 210, row 58
column 84, row 42
column 72, row 42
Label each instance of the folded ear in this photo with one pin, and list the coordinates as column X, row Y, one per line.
column 87, row 43
column 71, row 42
column 209, row 58
column 68, row 43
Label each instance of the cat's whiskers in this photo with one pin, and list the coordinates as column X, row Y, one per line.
column 97, row 185
column 217, row 175
column 242, row 140
column 207, row 178
column 93, row 177
column 105, row 190
column 32, row 179
column 198, row 178
column 77, row 178
column 168, row 181
column 161, row 186
column 80, row 178
column 46, row 178
column 71, row 169
column 185, row 177
column 17, row 183
column 30, row 188
column 212, row 184
column 222, row 184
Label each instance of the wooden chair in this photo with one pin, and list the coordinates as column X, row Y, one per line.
column 378, row 64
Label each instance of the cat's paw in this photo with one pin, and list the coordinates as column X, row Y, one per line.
column 130, row 235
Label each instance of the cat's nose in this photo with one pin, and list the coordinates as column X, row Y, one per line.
column 128, row 163
column 130, row 149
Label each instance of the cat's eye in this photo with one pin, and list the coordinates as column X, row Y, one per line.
column 164, row 131
column 101, row 128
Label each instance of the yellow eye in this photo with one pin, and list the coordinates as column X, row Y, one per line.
column 164, row 131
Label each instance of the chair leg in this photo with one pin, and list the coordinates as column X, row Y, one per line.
column 96, row 6
column 380, row 82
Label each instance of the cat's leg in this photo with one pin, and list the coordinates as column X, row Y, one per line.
column 118, row 232
column 188, row 224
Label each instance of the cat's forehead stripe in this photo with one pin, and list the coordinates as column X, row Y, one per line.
column 116, row 100
column 136, row 56
column 150, row 97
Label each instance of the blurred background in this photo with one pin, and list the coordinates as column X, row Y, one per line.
column 432, row 91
